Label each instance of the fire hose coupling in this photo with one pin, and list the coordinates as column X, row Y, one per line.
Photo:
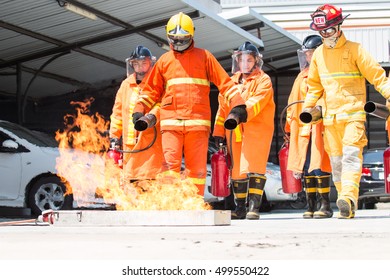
column 378, row 110
column 236, row 116
column 47, row 216
column 311, row 114
column 142, row 122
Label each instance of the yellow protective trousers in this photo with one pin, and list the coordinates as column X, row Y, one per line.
column 194, row 145
column 344, row 142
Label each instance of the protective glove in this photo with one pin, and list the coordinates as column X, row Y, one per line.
column 218, row 140
column 115, row 143
column 136, row 116
column 240, row 112
column 297, row 175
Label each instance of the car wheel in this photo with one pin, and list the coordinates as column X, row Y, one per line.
column 49, row 193
column 360, row 204
column 369, row 205
column 300, row 202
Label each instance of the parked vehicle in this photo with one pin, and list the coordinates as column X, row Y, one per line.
column 372, row 183
column 27, row 170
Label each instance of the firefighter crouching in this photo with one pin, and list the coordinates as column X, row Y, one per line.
column 249, row 142
column 307, row 155
column 180, row 80
column 145, row 164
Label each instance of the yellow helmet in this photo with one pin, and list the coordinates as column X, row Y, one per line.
column 180, row 30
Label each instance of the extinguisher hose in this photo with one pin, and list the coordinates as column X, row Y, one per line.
column 143, row 149
column 282, row 114
column 230, row 151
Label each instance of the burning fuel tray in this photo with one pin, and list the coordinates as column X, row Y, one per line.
column 142, row 218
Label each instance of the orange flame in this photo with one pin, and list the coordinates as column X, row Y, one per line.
column 94, row 179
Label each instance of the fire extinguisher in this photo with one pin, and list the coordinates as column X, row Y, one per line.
column 386, row 162
column 290, row 184
column 220, row 173
column 116, row 155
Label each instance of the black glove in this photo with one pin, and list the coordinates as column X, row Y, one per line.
column 136, row 116
column 115, row 143
column 218, row 140
column 240, row 112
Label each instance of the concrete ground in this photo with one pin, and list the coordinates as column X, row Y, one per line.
column 281, row 234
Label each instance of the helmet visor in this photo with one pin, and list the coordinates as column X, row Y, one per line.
column 140, row 65
column 304, row 57
column 246, row 61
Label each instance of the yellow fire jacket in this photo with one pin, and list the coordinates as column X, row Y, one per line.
column 339, row 75
column 145, row 164
column 300, row 133
column 251, row 140
column 181, row 81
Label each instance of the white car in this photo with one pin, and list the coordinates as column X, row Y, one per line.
column 27, row 170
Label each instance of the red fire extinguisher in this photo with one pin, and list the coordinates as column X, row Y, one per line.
column 289, row 183
column 220, row 173
column 116, row 156
column 386, row 162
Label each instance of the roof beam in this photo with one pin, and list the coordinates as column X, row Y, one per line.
column 97, row 39
column 53, row 41
column 117, row 22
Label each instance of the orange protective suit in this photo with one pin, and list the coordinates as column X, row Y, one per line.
column 181, row 82
column 145, row 164
column 251, row 141
column 300, row 133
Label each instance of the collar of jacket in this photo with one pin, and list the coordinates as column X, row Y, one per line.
column 131, row 80
column 254, row 74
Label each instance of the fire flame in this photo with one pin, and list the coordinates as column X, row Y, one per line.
column 94, row 179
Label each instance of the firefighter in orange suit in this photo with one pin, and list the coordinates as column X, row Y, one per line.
column 180, row 80
column 147, row 163
column 306, row 153
column 338, row 73
column 250, row 142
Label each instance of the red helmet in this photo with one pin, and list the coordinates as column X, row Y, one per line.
column 326, row 16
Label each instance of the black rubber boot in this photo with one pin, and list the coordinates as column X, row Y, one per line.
column 256, row 190
column 323, row 188
column 311, row 196
column 240, row 190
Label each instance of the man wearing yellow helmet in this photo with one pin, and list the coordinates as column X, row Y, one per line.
column 180, row 80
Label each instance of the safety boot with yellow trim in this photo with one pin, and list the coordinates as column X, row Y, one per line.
column 323, row 188
column 256, row 190
column 311, row 196
column 240, row 190
column 346, row 208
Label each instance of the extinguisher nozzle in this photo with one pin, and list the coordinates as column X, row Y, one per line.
column 231, row 122
column 140, row 125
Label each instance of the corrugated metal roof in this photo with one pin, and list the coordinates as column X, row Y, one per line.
column 34, row 31
column 280, row 47
column 368, row 23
